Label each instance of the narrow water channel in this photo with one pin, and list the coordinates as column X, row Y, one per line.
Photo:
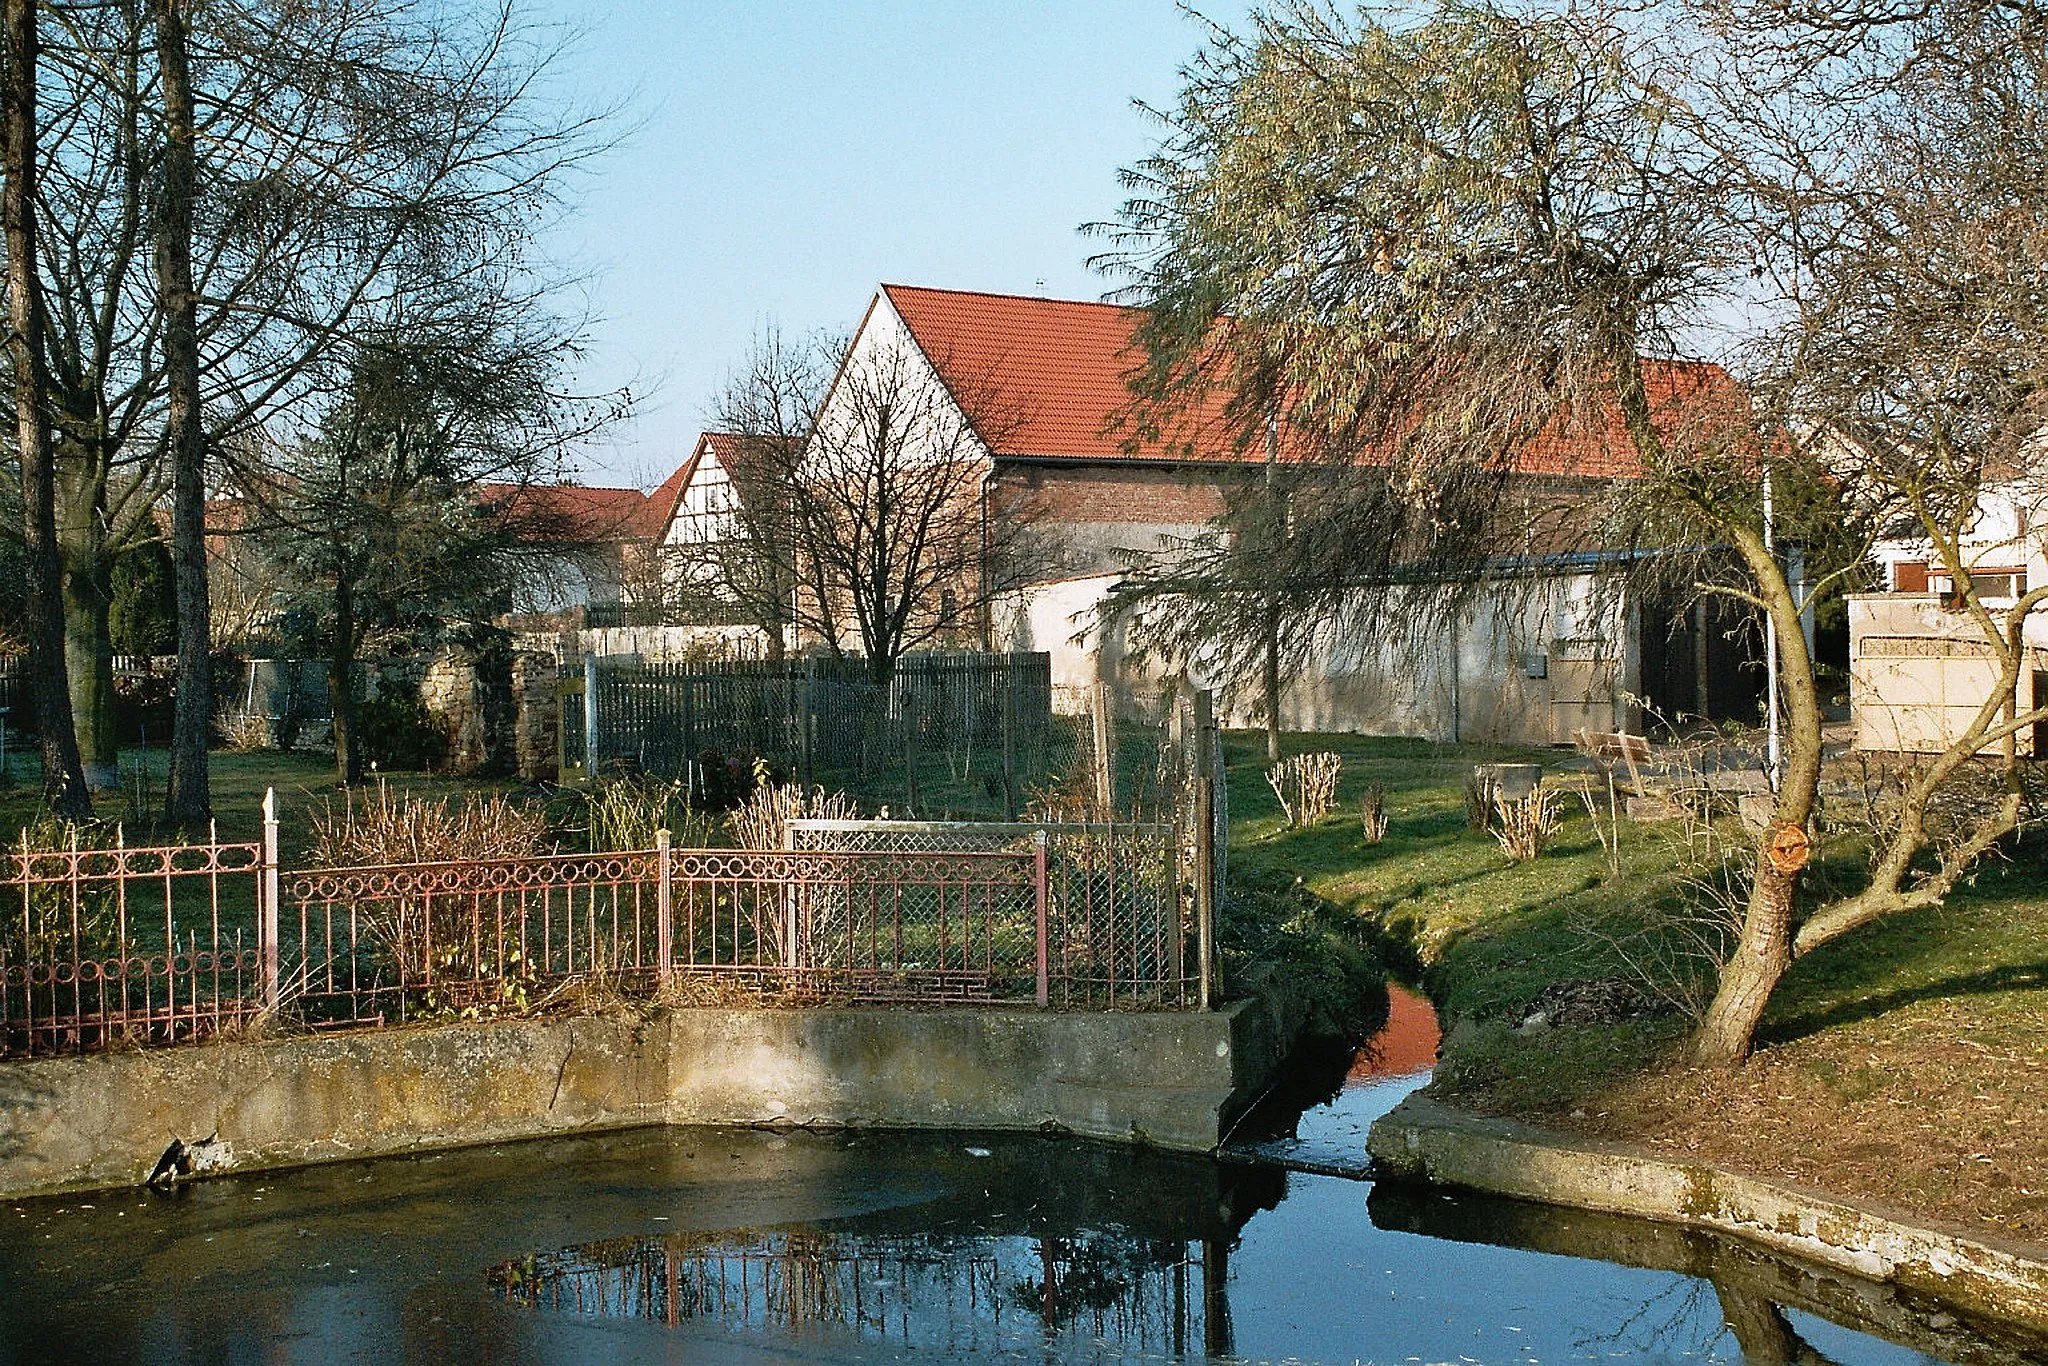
column 747, row 1246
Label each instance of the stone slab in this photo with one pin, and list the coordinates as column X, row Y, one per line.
column 1424, row 1139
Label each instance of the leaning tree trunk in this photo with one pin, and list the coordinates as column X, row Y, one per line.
column 63, row 777
column 189, row 799
column 1761, row 957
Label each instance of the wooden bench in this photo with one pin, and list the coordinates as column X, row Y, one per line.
column 1610, row 747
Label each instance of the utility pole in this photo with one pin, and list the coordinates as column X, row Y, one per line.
column 1774, row 761
column 1272, row 623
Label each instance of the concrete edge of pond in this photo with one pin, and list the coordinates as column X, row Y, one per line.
column 1424, row 1139
column 1168, row 1078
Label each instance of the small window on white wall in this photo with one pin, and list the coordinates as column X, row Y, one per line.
column 1992, row 585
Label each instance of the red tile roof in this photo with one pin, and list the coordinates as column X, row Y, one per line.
column 1050, row 378
column 1059, row 363
column 577, row 511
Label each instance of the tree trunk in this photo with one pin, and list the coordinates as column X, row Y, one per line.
column 63, row 776
column 1762, row 1331
column 341, row 693
column 1272, row 685
column 88, row 602
column 1765, row 951
column 189, row 800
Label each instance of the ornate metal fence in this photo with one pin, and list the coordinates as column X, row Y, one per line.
column 114, row 946
column 377, row 944
column 104, row 947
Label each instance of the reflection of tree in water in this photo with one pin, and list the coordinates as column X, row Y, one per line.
column 1687, row 1320
column 1105, row 1286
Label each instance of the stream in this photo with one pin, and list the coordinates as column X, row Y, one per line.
column 741, row 1245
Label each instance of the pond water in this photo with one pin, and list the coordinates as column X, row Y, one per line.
column 749, row 1246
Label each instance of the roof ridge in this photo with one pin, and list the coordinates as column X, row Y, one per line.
column 886, row 286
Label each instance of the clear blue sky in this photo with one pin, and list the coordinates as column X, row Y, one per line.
column 791, row 154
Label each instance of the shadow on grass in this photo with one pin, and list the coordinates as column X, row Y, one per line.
column 1991, row 981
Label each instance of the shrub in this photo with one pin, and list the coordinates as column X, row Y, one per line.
column 144, row 704
column 1527, row 825
column 1481, row 793
column 1306, row 785
column 762, row 820
column 1372, row 813
column 395, row 729
column 623, row 810
column 384, row 828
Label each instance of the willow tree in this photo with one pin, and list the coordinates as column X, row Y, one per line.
column 1420, row 244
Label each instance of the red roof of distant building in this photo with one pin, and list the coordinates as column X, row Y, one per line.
column 1059, row 369
column 583, row 513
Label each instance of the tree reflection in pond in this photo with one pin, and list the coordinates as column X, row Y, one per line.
column 1103, row 1289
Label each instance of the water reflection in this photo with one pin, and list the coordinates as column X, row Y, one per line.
column 1098, row 1291
column 1316, row 1117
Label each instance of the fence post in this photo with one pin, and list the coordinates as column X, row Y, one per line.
column 664, row 909
column 1105, row 758
column 806, row 712
column 1038, row 891
column 1205, row 887
column 267, row 892
column 589, row 714
column 1010, row 786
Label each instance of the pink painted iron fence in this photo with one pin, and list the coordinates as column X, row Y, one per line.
column 146, row 947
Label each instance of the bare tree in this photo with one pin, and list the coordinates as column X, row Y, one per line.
column 188, row 798
column 737, row 554
column 328, row 140
column 864, row 509
column 63, row 780
column 903, row 534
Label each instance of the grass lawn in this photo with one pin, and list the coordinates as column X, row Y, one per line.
column 304, row 782
column 1906, row 1063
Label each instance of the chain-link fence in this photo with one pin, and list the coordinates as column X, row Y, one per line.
column 1120, row 903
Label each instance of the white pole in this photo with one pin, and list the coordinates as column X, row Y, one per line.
column 1771, row 648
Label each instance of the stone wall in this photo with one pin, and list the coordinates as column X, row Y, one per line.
column 537, row 719
column 471, row 696
column 1171, row 1078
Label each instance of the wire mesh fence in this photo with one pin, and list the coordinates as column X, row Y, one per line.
column 1118, row 898
column 952, row 730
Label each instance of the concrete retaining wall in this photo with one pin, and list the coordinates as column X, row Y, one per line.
column 1426, row 1140
column 1172, row 1079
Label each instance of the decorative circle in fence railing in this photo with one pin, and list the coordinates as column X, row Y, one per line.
column 95, row 865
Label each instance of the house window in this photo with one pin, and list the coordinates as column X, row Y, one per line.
column 1992, row 584
column 1909, row 576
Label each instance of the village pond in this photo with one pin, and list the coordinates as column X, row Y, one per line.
column 755, row 1246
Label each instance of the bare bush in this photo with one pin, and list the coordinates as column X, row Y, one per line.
column 1372, row 813
column 762, row 820
column 625, row 811
column 404, row 828
column 244, row 732
column 1306, row 785
column 1482, row 791
column 1527, row 825
column 1675, row 941
column 1606, row 824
